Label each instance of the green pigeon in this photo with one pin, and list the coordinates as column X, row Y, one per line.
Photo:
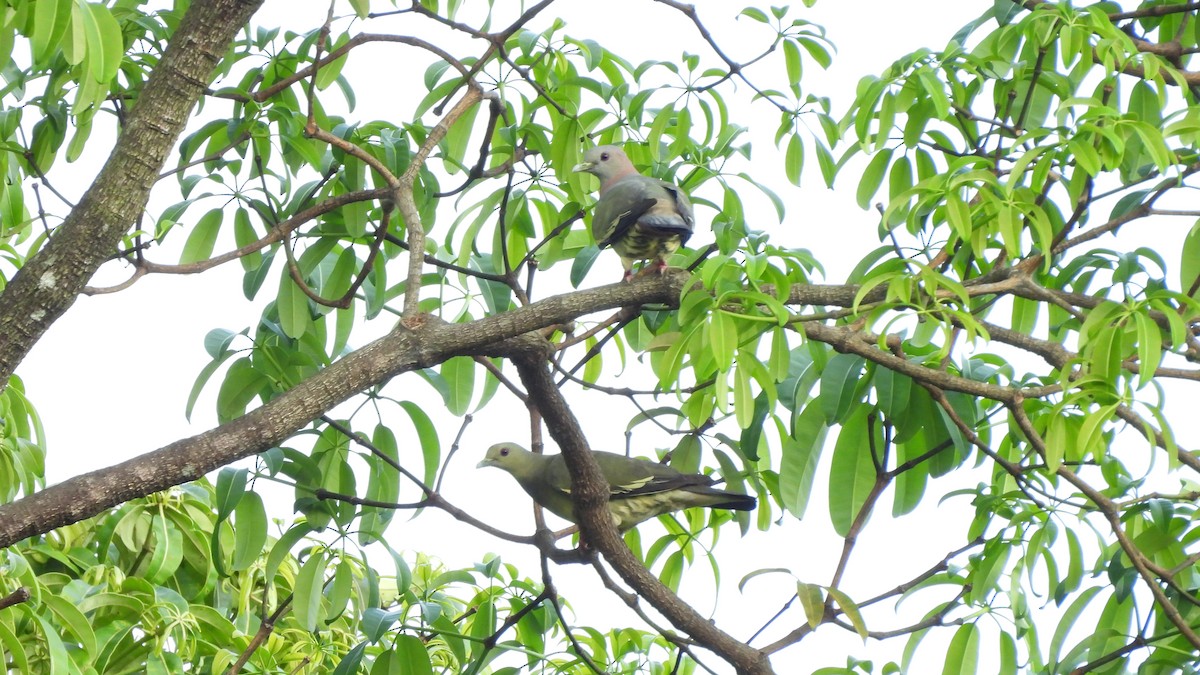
column 638, row 489
column 640, row 217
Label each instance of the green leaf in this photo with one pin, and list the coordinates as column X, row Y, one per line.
column 242, row 383
column 202, row 379
column 872, row 177
column 752, row 433
column 791, row 59
column 1008, row 654
column 754, row 13
column 1105, row 353
column 15, row 651
column 250, row 531
column 793, row 164
column 413, row 657
column 800, row 455
column 743, row 398
column 1056, row 442
column 839, row 383
column 76, row 624
column 583, row 263
column 376, row 622
column 722, row 336
column 306, row 599
column 813, row 602
column 893, row 390
column 292, row 304
column 60, row 660
column 1189, row 263
column 351, row 661
column 283, row 547
column 202, row 238
column 244, row 235
column 850, row 610
column 459, row 373
column 50, row 21
column 431, row 449
column 1067, row 621
column 852, row 475
column 963, row 656
column 231, row 486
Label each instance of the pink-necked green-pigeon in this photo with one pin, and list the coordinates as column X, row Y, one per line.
column 642, row 218
column 638, row 489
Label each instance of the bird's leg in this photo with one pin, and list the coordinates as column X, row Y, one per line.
column 628, row 265
column 660, row 266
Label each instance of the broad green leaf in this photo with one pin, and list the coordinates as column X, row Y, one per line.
column 812, row 599
column 791, row 60
column 962, row 658
column 1189, row 263
column 231, row 487
column 431, row 449
column 839, row 383
column 459, row 373
column 872, row 177
column 794, row 158
column 852, row 475
column 1067, row 621
column 850, row 610
column 350, row 662
column 73, row 620
column 283, row 547
column 800, row 455
column 306, row 599
column 292, row 304
column 722, row 337
column 412, row 655
column 250, row 530
column 203, row 238
column 893, row 390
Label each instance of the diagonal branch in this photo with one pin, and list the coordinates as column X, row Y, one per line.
column 590, row 494
column 50, row 281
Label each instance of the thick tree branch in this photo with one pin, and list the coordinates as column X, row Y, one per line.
column 590, row 493
column 50, row 281
column 400, row 351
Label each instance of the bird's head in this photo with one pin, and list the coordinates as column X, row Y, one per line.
column 605, row 162
column 503, row 456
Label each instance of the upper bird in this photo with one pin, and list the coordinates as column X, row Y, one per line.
column 638, row 489
column 639, row 216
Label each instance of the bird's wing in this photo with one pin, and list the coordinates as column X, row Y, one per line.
column 648, row 202
column 686, row 223
column 629, row 478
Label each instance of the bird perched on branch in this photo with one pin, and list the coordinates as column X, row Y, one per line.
column 642, row 218
column 638, row 489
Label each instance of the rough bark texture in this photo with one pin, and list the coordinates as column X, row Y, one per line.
column 50, row 281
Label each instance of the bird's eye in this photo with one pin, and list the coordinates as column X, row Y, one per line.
column 504, row 452
column 604, row 157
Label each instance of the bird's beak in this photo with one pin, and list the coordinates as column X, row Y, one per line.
column 583, row 166
column 482, row 463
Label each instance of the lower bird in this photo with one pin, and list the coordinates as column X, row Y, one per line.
column 638, row 489
column 642, row 218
